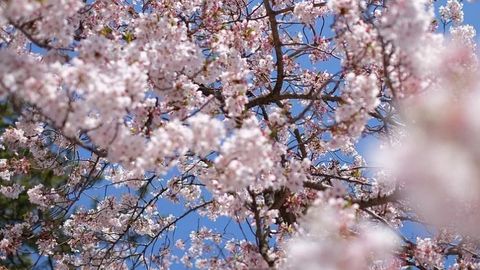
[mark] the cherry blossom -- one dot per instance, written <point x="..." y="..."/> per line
<point x="233" y="134"/>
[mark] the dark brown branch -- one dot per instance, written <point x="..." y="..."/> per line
<point x="260" y="235"/>
<point x="380" y="200"/>
<point x="301" y="145"/>
<point x="314" y="185"/>
<point x="270" y="98"/>
<point x="277" y="44"/>
<point x="290" y="9"/>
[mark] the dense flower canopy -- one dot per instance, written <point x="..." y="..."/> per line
<point x="125" y="121"/>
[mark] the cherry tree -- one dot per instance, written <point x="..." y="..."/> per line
<point x="123" y="119"/>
